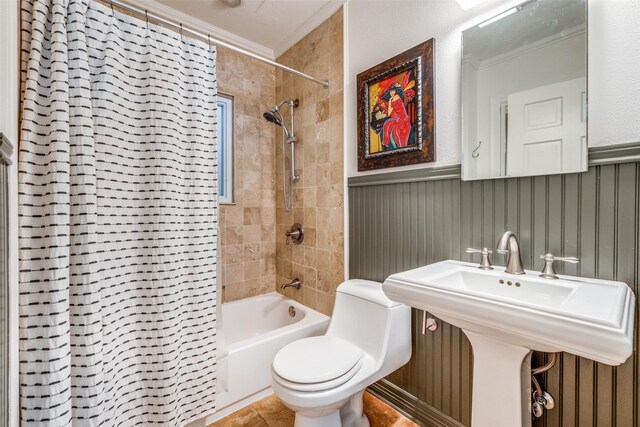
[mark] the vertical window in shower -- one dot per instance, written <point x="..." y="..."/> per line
<point x="225" y="149"/>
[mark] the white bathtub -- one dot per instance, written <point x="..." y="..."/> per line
<point x="255" y="329"/>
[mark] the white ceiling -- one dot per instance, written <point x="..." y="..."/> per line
<point x="268" y="27"/>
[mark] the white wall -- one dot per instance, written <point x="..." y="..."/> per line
<point x="614" y="76"/>
<point x="378" y="30"/>
<point x="9" y="126"/>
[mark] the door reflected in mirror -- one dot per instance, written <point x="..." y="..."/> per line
<point x="524" y="92"/>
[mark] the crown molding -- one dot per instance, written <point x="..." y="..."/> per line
<point x="204" y="27"/>
<point x="539" y="44"/>
<point x="472" y="60"/>
<point x="324" y="13"/>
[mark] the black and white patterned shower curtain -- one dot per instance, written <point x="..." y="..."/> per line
<point x="118" y="220"/>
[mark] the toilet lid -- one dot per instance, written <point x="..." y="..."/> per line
<point x="317" y="360"/>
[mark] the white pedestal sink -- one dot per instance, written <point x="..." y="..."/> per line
<point x="507" y="316"/>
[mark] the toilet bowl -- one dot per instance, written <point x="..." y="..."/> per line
<point x="323" y="378"/>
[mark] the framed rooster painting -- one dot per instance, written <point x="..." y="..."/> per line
<point x="396" y="118"/>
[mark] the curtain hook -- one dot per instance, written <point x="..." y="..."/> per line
<point x="146" y="15"/>
<point x="209" y="40"/>
<point x="111" y="3"/>
<point x="181" y="35"/>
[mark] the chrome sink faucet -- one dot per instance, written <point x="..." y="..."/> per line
<point x="508" y="244"/>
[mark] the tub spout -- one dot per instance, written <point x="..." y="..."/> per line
<point x="295" y="283"/>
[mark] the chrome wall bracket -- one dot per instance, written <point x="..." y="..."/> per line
<point x="429" y="323"/>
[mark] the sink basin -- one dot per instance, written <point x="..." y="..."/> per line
<point x="587" y="317"/>
<point x="505" y="316"/>
<point x="540" y="293"/>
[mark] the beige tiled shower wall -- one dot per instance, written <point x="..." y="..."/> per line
<point x="247" y="227"/>
<point x="318" y="198"/>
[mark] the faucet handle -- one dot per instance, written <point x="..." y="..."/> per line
<point x="549" y="271"/>
<point x="296" y="234"/>
<point x="485" y="262"/>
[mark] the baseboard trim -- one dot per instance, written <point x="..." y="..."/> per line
<point x="410" y="406"/>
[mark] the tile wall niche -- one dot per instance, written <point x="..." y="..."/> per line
<point x="318" y="198"/>
<point x="247" y="227"/>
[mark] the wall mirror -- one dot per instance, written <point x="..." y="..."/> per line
<point x="524" y="91"/>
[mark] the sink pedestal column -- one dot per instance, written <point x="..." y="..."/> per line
<point x="501" y="383"/>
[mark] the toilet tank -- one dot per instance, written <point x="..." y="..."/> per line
<point x="365" y="317"/>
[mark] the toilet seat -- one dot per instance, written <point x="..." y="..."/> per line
<point x="317" y="363"/>
<point x="321" y="386"/>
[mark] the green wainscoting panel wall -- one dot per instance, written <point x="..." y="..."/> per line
<point x="6" y="149"/>
<point x="404" y="220"/>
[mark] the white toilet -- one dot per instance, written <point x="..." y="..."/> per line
<point x="323" y="378"/>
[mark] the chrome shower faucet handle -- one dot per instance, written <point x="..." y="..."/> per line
<point x="485" y="262"/>
<point x="549" y="271"/>
<point x="295" y="234"/>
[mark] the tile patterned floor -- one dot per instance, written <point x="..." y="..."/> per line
<point x="271" y="412"/>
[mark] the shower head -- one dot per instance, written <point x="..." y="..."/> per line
<point x="271" y="117"/>
<point x="274" y="116"/>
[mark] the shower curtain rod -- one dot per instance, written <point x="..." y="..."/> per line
<point x="207" y="38"/>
